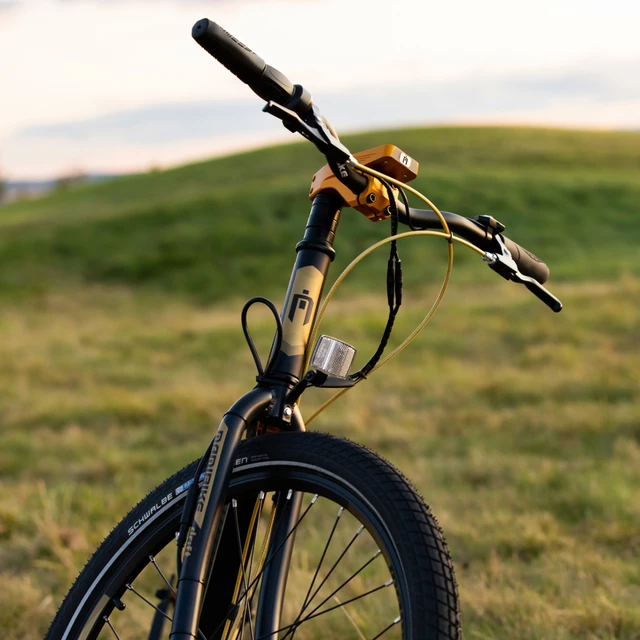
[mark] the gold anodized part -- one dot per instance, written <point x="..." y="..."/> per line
<point x="373" y="202"/>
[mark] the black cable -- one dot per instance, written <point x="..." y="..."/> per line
<point x="394" y="286"/>
<point x="405" y="202"/>
<point x="278" y="339"/>
<point x="393" y="209"/>
<point x="190" y="502"/>
<point x="394" y="266"/>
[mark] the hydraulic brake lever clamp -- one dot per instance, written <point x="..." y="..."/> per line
<point x="492" y="226"/>
<point x="503" y="263"/>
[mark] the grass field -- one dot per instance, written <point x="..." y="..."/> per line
<point x="121" y="347"/>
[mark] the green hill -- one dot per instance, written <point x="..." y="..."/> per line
<point x="120" y="348"/>
<point x="228" y="225"/>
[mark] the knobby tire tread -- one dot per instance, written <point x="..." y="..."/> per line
<point x="426" y="563"/>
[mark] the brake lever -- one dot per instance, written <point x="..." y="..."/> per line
<point x="504" y="264"/>
<point x="316" y="131"/>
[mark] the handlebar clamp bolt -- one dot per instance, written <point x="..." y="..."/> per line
<point x="371" y="198"/>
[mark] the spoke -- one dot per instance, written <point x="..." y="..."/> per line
<point x="395" y="622"/>
<point x="315" y="575"/>
<point x="153" y="606"/>
<point x="234" y="504"/>
<point x="291" y="628"/>
<point x="324" y="553"/>
<point x="224" y="620"/>
<point x="244" y="617"/>
<point x="111" y="627"/>
<point x="388" y="583"/>
<point x="254" y="533"/>
<point x="253" y="546"/>
<point x="347" y="581"/>
<point x="299" y="620"/>
<point x="154" y="563"/>
<point x="274" y="553"/>
<point x="266" y="564"/>
<point x="335" y="564"/>
<point x="287" y="628"/>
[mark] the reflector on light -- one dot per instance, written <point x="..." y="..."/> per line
<point x="332" y="356"/>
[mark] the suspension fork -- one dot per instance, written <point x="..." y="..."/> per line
<point x="274" y="581"/>
<point x="199" y="550"/>
<point x="273" y="566"/>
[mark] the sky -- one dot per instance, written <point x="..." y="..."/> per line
<point x="119" y="85"/>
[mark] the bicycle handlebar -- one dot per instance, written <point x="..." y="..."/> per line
<point x="294" y="106"/>
<point x="528" y="263"/>
<point x="477" y="234"/>
<point x="266" y="81"/>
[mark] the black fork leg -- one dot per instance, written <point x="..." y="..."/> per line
<point x="274" y="581"/>
<point x="200" y="547"/>
<point x="224" y="572"/>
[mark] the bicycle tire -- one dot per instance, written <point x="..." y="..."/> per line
<point x="415" y="550"/>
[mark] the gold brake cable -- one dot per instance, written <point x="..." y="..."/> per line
<point x="446" y="233"/>
<point x="406" y="187"/>
<point x="231" y="624"/>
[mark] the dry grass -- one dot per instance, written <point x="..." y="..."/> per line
<point x="120" y="348"/>
<point x="520" y="427"/>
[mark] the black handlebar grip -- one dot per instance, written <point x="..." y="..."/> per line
<point x="249" y="67"/>
<point x="528" y="264"/>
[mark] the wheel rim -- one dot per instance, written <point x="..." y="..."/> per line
<point x="344" y="580"/>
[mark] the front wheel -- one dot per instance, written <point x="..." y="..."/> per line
<point x="368" y="560"/>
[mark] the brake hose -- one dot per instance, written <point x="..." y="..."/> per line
<point x="446" y="233"/>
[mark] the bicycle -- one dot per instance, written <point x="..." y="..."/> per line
<point x="236" y="515"/>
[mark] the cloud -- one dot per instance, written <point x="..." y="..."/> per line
<point x="176" y="2"/>
<point x="467" y="98"/>
<point x="158" y="123"/>
<point x="13" y="4"/>
<point x="174" y="133"/>
<point x="8" y="9"/>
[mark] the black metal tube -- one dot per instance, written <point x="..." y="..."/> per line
<point x="464" y="227"/>
<point x="199" y="550"/>
<point x="274" y="581"/>
<point x="479" y="235"/>
<point x="314" y="256"/>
